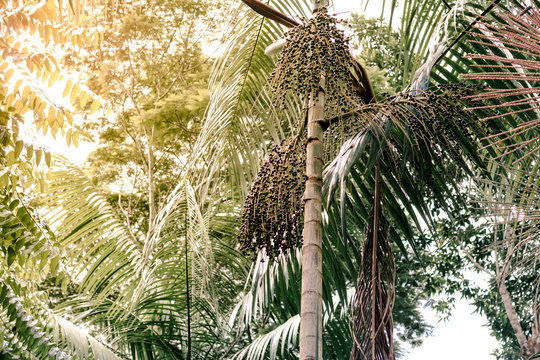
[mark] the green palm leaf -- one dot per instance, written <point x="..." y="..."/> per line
<point x="239" y="123"/>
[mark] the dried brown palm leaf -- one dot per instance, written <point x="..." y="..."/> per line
<point x="372" y="324"/>
<point x="271" y="13"/>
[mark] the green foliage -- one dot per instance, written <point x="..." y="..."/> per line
<point x="31" y="254"/>
<point x="271" y="299"/>
<point x="151" y="297"/>
<point x="152" y="73"/>
<point x="30" y="35"/>
<point x="239" y="124"/>
<point x="379" y="50"/>
<point x="119" y="165"/>
<point x="158" y="274"/>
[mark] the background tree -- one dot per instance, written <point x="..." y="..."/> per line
<point x="379" y="49"/>
<point x="153" y="75"/>
<point x="32" y="34"/>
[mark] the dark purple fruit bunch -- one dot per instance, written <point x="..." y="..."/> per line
<point x="273" y="212"/>
<point x="316" y="48"/>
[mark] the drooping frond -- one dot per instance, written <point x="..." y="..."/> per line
<point x="372" y="326"/>
<point x="281" y="341"/>
<point x="266" y="282"/>
<point x="81" y="342"/>
<point x="94" y="239"/>
<point x="427" y="130"/>
<point x="239" y="124"/>
<point x="273" y="343"/>
<point x="39" y="332"/>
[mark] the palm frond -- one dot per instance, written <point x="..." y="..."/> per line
<point x="416" y="132"/>
<point x="285" y="334"/>
<point x="94" y="239"/>
<point x="238" y="122"/>
<point x="163" y="297"/>
<point x="39" y="332"/>
<point x="511" y="56"/>
<point x="409" y="155"/>
<point x="426" y="28"/>
<point x="281" y="338"/>
<point x="80" y="341"/>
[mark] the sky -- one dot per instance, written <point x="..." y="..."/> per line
<point x="464" y="336"/>
<point x="343" y="8"/>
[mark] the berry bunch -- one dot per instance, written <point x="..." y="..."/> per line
<point x="274" y="209"/>
<point x="316" y="56"/>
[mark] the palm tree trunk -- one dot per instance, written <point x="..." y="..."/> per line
<point x="311" y="296"/>
<point x="311" y="300"/>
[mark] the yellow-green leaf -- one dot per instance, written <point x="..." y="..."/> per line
<point x="69" y="116"/>
<point x="39" y="153"/>
<point x="26" y="92"/>
<point x="29" y="151"/>
<point x="95" y="106"/>
<point x="65" y="283"/>
<point x="52" y="79"/>
<point x="84" y="98"/>
<point x="74" y="93"/>
<point x="67" y="88"/>
<point x="21" y="259"/>
<point x="18" y="148"/>
<point x="10" y="158"/>
<point x="8" y="75"/>
<point x="17" y="85"/>
<point x="4" y="180"/>
<point x="48" y="158"/>
<point x="68" y="137"/>
<point x="11" y="256"/>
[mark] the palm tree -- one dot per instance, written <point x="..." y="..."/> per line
<point x="370" y="150"/>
